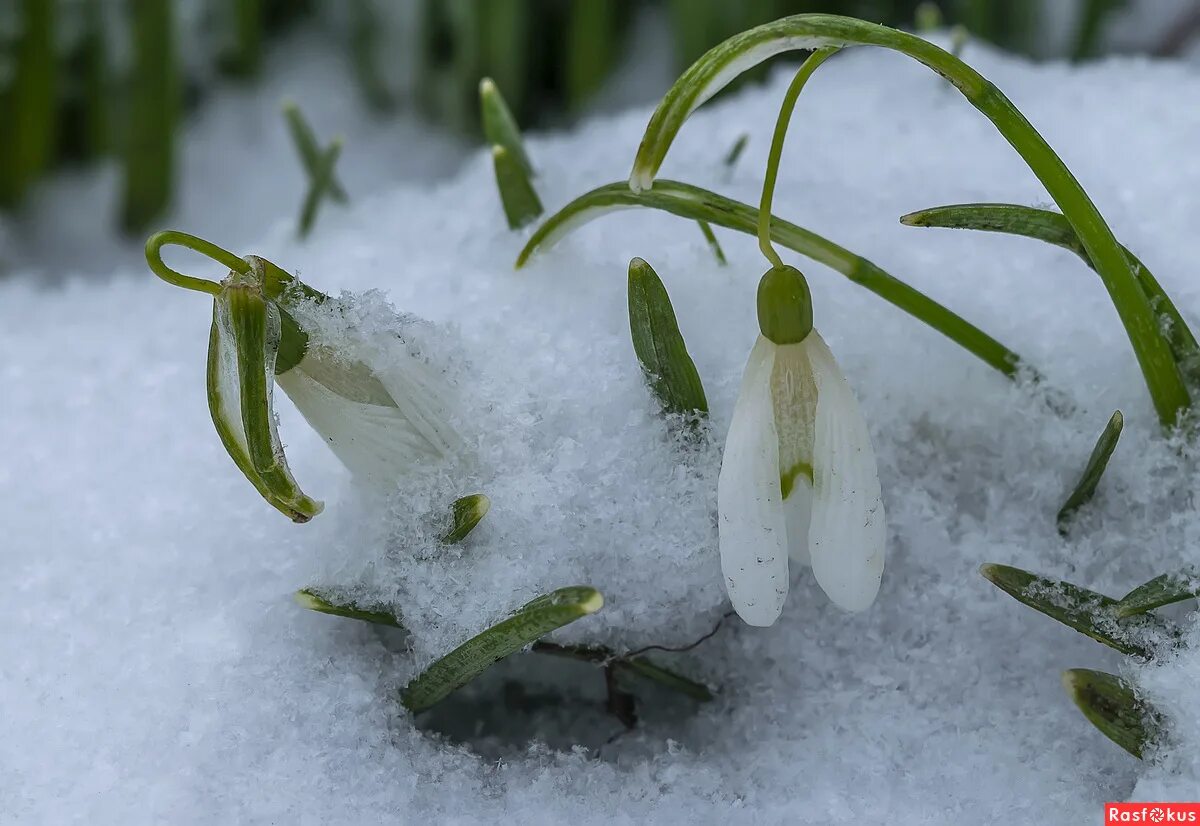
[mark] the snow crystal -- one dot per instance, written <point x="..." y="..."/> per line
<point x="155" y="669"/>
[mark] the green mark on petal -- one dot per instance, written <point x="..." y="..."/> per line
<point x="787" y="480"/>
<point x="1111" y="706"/>
<point x="313" y="601"/>
<point x="467" y="513"/>
<point x="533" y="621"/>
<point x="517" y="195"/>
<point x="1088" y="612"/>
<point x="659" y="345"/>
<point x="1166" y="589"/>
<point x="1085" y="488"/>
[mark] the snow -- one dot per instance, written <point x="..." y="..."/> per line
<point x="155" y="668"/>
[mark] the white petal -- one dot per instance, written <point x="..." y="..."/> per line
<point x="797" y="509"/>
<point x="848" y="531"/>
<point x="372" y="435"/>
<point x="753" y="533"/>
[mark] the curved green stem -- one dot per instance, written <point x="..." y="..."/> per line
<point x="724" y="62"/>
<point x="699" y="204"/>
<point x="781" y="125"/>
<point x="158" y="240"/>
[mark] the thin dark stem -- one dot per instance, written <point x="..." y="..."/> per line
<point x="681" y="649"/>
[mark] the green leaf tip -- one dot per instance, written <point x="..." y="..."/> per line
<point x="313" y="601"/>
<point x="466" y="514"/>
<point x="1085" y="488"/>
<point x="517" y="195"/>
<point x="1088" y="612"/>
<point x="1165" y="589"/>
<point x="1111" y="706"/>
<point x="659" y="345"/>
<point x="499" y="126"/>
<point x="528" y="624"/>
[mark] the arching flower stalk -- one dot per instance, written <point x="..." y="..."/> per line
<point x="377" y="425"/>
<point x="798" y="478"/>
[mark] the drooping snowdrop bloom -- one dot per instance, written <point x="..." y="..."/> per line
<point x="798" y="478"/>
<point x="377" y="425"/>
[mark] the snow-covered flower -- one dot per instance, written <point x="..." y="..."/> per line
<point x="377" y="425"/>
<point x="798" y="478"/>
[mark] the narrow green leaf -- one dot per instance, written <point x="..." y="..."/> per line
<point x="467" y="512"/>
<point x="520" y="200"/>
<point x="725" y="62"/>
<point x="699" y="204"/>
<point x="309" y="150"/>
<point x="590" y="39"/>
<point x="318" y="187"/>
<point x="1085" y="488"/>
<point x="1166" y="589"/>
<point x="1054" y="228"/>
<point x="709" y="236"/>
<point x="499" y="126"/>
<point x="659" y="345"/>
<point x="536" y="619"/>
<point x="735" y="151"/>
<point x="637" y="666"/>
<point x="928" y="17"/>
<point x="1111" y="706"/>
<point x="309" y="598"/>
<point x="648" y="670"/>
<point x="154" y="106"/>
<point x="1088" y="612"/>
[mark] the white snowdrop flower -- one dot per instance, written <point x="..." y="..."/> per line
<point x="798" y="478"/>
<point x="378" y="424"/>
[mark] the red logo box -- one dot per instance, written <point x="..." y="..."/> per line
<point x="1151" y="813"/>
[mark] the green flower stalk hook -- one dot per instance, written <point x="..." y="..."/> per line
<point x="798" y="476"/>
<point x="378" y="426"/>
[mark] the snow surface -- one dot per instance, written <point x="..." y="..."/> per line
<point x="155" y="668"/>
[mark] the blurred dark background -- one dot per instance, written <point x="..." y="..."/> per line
<point x="112" y="81"/>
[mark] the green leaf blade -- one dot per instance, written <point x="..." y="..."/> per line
<point x="1088" y="612"/>
<point x="517" y="195"/>
<point x="499" y="126"/>
<point x="1093" y="471"/>
<point x="533" y="621"/>
<point x="312" y="600"/>
<point x="1166" y="589"/>
<point x="1110" y="705"/>
<point x="659" y="345"/>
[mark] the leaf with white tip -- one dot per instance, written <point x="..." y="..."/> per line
<point x="531" y="622"/>
<point x="499" y="126"/>
<point x="313" y="601"/>
<point x="466" y="514"/>
<point x="517" y="195"/>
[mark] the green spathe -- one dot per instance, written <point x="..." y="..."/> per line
<point x="785" y="313"/>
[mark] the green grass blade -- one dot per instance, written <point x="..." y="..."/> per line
<point x="647" y="670"/>
<point x="1088" y="612"/>
<point x="724" y="62"/>
<point x="318" y="188"/>
<point x="517" y="195"/>
<point x="1054" y="228"/>
<point x="499" y="126"/>
<point x="735" y="151"/>
<point x="1166" y="589"/>
<point x="590" y="45"/>
<point x="309" y="150"/>
<point x="1110" y="705"/>
<point x="313" y="601"/>
<point x="1085" y="488"/>
<point x="466" y="514"/>
<point x="29" y="124"/>
<point x="713" y="244"/>
<point x="659" y="345"/>
<point x="536" y="619"/>
<point x="699" y="204"/>
<point x="155" y="93"/>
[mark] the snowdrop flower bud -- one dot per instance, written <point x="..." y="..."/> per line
<point x="798" y="478"/>
<point x="378" y="427"/>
